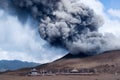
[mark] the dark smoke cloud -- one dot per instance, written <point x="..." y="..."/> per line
<point x="64" y="23"/>
<point x="74" y="28"/>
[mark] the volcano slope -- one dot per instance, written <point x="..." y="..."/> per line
<point x="107" y="62"/>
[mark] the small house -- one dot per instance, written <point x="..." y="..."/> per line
<point x="33" y="72"/>
<point x="74" y="71"/>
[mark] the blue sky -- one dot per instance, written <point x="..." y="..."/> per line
<point x="111" y="4"/>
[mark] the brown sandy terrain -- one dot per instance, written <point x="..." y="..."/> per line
<point x="109" y="62"/>
<point x="62" y="77"/>
<point x="107" y="65"/>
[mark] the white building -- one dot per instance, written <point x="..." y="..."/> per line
<point x="74" y="71"/>
<point x="34" y="72"/>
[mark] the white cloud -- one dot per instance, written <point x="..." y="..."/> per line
<point x="16" y="56"/>
<point x="96" y="5"/>
<point x="22" y="42"/>
<point x="1" y="12"/>
<point x="23" y="56"/>
<point x="111" y="26"/>
<point x="114" y="12"/>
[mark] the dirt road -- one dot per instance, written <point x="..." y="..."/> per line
<point x="63" y="77"/>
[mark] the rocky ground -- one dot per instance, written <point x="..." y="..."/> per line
<point x="63" y="77"/>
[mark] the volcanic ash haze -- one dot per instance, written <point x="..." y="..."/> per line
<point x="66" y="23"/>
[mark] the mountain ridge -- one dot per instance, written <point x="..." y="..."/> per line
<point x="15" y="64"/>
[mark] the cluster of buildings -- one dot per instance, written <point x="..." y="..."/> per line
<point x="43" y="72"/>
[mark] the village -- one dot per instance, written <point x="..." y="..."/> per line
<point x="43" y="72"/>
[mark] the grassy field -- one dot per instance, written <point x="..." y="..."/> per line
<point x="63" y="77"/>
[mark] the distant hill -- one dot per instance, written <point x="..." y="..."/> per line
<point x="15" y="64"/>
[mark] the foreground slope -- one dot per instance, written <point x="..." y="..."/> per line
<point x="108" y="62"/>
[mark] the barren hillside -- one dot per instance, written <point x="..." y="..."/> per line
<point x="107" y="62"/>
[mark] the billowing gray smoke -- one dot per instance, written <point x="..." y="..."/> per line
<point x="64" y="23"/>
<point x="74" y="28"/>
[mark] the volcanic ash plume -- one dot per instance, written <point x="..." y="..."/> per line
<point x="66" y="23"/>
<point x="73" y="26"/>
